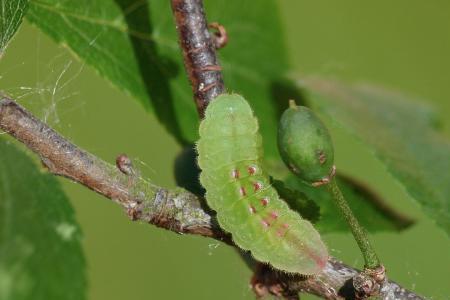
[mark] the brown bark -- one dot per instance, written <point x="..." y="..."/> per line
<point x="199" y="52"/>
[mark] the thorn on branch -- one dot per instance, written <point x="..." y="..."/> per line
<point x="124" y="164"/>
<point x="220" y="38"/>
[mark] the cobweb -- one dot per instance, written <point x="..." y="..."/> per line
<point x="49" y="83"/>
<point x="52" y="85"/>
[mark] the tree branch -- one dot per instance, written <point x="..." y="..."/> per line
<point x="199" y="52"/>
<point x="179" y="211"/>
<point x="175" y="210"/>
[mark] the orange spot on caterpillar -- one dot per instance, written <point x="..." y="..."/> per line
<point x="252" y="209"/>
<point x="265" y="223"/>
<point x="251" y="170"/>
<point x="274" y="215"/>
<point x="242" y="191"/>
<point x="257" y="186"/>
<point x="235" y="173"/>
<point x="264" y="201"/>
<point x="282" y="231"/>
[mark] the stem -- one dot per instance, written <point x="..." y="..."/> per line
<point x="370" y="258"/>
<point x="199" y="52"/>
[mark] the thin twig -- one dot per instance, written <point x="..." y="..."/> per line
<point x="175" y="210"/>
<point x="199" y="52"/>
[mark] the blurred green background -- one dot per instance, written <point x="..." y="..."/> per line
<point x="400" y="44"/>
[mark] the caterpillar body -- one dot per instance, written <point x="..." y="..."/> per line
<point x="239" y="190"/>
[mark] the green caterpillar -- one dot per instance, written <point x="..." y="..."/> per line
<point x="238" y="189"/>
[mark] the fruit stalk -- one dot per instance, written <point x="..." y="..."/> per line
<point x="370" y="257"/>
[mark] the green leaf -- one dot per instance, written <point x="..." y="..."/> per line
<point x="400" y="131"/>
<point x="40" y="251"/>
<point x="11" y="14"/>
<point x="369" y="208"/>
<point x="134" y="44"/>
<point x="297" y="201"/>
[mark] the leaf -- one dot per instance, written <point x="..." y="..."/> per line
<point x="371" y="210"/>
<point x="11" y="14"/>
<point x="133" y="43"/>
<point x="40" y="251"/>
<point x="400" y="131"/>
<point x="297" y="201"/>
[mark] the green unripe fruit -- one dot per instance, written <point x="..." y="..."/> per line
<point x="305" y="145"/>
